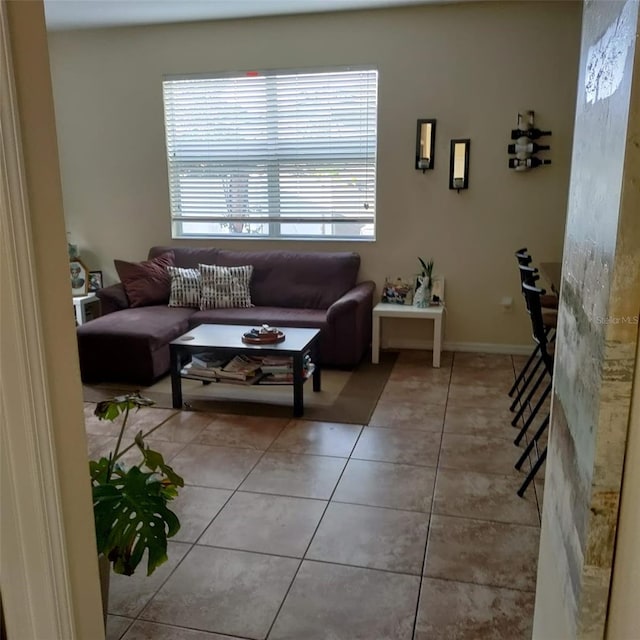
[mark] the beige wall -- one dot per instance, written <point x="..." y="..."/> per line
<point x="471" y="66"/>
<point x="58" y="341"/>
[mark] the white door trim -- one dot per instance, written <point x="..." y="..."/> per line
<point x="35" y="571"/>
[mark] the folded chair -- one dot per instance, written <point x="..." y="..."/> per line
<point x="527" y="374"/>
<point x="533" y="296"/>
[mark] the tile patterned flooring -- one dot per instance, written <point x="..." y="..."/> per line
<point x="408" y="528"/>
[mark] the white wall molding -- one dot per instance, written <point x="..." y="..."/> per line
<point x="475" y="347"/>
<point x="33" y="554"/>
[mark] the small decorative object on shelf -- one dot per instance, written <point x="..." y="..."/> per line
<point x="524" y="147"/>
<point x="422" y="296"/>
<point x="95" y="281"/>
<point x="264" y="335"/>
<point x="397" y="291"/>
<point x="79" y="277"/>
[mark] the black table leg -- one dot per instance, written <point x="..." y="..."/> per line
<point x="298" y="382"/>
<point x="176" y="380"/>
<point x="316" y="368"/>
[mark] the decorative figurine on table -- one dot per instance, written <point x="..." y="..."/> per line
<point x="264" y="335"/>
<point x="422" y="296"/>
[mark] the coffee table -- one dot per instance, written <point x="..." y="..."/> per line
<point x="227" y="341"/>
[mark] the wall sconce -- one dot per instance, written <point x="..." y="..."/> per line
<point x="425" y="144"/>
<point x="459" y="164"/>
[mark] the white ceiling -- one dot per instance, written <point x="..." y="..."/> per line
<point x="84" y="14"/>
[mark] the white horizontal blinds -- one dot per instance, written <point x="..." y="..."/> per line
<point x="278" y="154"/>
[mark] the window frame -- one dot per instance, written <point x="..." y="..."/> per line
<point x="276" y="168"/>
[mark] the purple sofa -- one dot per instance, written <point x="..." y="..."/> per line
<point x="288" y="289"/>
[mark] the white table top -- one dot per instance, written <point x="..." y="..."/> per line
<point x="389" y="309"/>
<point x="90" y="297"/>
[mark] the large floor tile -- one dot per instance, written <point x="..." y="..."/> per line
<point x="196" y="507"/>
<point x="408" y="415"/>
<point x="423" y="357"/>
<point x="421" y="383"/>
<point x="477" y="395"/>
<point x="408" y="446"/>
<point x="142" y="630"/>
<point x="500" y="378"/>
<point x="245" y="432"/>
<point x="98" y="427"/>
<point x="99" y="446"/>
<point x="383" y="484"/>
<point x="484" y="361"/>
<point x="168" y="450"/>
<point x="129" y="594"/>
<point x="434" y="394"/>
<point x="493" y="422"/>
<point x="483" y="496"/>
<point x="479" y="453"/>
<point x="460" y="611"/>
<point x="227" y="592"/>
<point x="319" y="438"/>
<point x="289" y="474"/>
<point x="116" y="627"/>
<point x="265" y="523"/>
<point x="491" y="553"/>
<point x="417" y="376"/>
<point x="371" y="537"/>
<point x="148" y="418"/>
<point x="347" y="603"/>
<point x="216" y="467"/>
<point x="184" y="426"/>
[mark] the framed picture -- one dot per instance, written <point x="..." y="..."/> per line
<point x="95" y="281"/>
<point x="398" y="291"/>
<point x="79" y="277"/>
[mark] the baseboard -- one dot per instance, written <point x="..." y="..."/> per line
<point x="475" y="347"/>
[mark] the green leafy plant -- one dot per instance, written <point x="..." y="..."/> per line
<point x="130" y="501"/>
<point x="427" y="268"/>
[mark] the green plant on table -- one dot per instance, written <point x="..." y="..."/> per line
<point x="130" y="500"/>
<point x="427" y="269"/>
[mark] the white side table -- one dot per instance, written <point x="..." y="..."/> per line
<point x="80" y="304"/>
<point x="390" y="310"/>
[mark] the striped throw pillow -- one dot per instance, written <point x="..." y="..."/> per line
<point x="185" y="287"/>
<point x="225" y="287"/>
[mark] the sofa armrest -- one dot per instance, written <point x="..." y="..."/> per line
<point x="362" y="293"/>
<point x="112" y="298"/>
<point x="348" y="331"/>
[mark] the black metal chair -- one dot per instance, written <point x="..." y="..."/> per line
<point x="533" y="297"/>
<point x="527" y="374"/>
<point x="529" y="275"/>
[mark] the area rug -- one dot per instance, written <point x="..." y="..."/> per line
<point x="346" y="396"/>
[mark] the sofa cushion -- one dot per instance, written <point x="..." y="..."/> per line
<point x="185" y="287"/>
<point x="312" y="280"/>
<point x="256" y="316"/>
<point x="225" y="287"/>
<point x="130" y="345"/>
<point x="147" y="282"/>
<point x="188" y="257"/>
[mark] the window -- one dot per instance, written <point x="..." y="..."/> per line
<point x="273" y="155"/>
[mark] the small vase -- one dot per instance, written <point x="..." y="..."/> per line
<point x="423" y="292"/>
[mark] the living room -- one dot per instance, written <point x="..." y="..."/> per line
<point x="471" y="66"/>
<point x="474" y="250"/>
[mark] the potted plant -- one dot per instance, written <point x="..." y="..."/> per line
<point x="130" y="500"/>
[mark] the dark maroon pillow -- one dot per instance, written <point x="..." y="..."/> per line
<point x="147" y="282"/>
